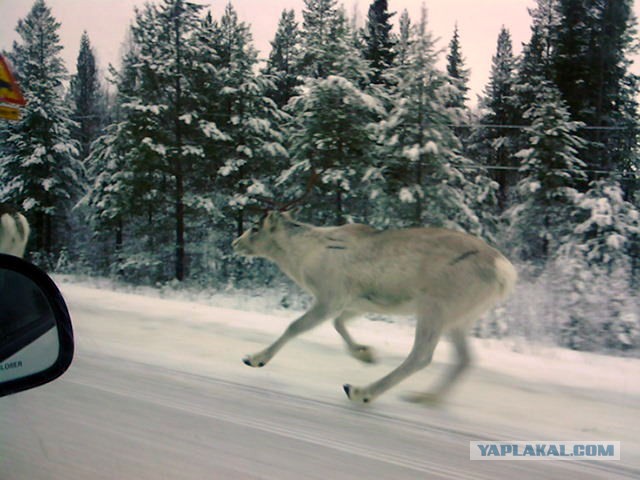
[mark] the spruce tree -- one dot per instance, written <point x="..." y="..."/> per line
<point x="107" y="205"/>
<point x="534" y="75"/>
<point x="550" y="174"/>
<point x="536" y="65"/>
<point x="458" y="74"/>
<point x="195" y="137"/>
<point x="332" y="137"/>
<point x="39" y="168"/>
<point x="598" y="306"/>
<point x="283" y="65"/>
<point x="87" y="98"/>
<point x="546" y="21"/>
<point x="458" y="80"/>
<point x="591" y="65"/>
<point x="378" y="41"/>
<point x="418" y="148"/>
<point x="495" y="142"/>
<point x="325" y="40"/>
<point x="404" y="38"/>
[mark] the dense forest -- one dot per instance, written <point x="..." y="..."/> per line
<point x="146" y="174"/>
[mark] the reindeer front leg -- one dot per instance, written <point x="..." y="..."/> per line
<point x="311" y="319"/>
<point x="357" y="350"/>
<point x="426" y="338"/>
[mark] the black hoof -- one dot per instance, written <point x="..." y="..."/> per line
<point x="246" y="361"/>
<point x="347" y="389"/>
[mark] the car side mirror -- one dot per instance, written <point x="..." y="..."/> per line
<point x="36" y="336"/>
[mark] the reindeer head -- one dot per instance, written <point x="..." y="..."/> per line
<point x="265" y="237"/>
<point x="270" y="234"/>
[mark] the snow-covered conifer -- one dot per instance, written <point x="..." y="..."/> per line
<point x="39" y="167"/>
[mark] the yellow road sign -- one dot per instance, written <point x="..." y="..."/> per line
<point x="9" y="113"/>
<point x="9" y="90"/>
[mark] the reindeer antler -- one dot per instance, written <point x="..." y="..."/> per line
<point x="281" y="207"/>
<point x="313" y="179"/>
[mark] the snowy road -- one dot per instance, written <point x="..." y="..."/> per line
<point x="158" y="391"/>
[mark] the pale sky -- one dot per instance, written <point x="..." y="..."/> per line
<point x="106" y="21"/>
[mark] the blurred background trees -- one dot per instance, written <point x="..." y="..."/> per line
<point x="148" y="174"/>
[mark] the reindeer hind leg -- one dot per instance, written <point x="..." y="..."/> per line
<point x="428" y="329"/>
<point x="443" y="386"/>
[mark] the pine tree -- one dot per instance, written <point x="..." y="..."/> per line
<point x="249" y="119"/>
<point x="87" y="97"/>
<point x="379" y="44"/>
<point x="180" y="19"/>
<point x="607" y="223"/>
<point x="634" y="244"/>
<point x="283" y="65"/>
<point x="330" y="129"/>
<point x="160" y="135"/>
<point x="39" y="168"/>
<point x="195" y="137"/>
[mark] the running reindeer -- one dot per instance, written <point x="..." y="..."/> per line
<point x="448" y="279"/>
<point x="14" y="231"/>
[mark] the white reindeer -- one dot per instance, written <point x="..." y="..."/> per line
<point x="14" y="231"/>
<point x="447" y="279"/>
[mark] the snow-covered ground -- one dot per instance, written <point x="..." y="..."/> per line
<point x="527" y="391"/>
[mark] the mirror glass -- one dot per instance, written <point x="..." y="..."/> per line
<point x="29" y="339"/>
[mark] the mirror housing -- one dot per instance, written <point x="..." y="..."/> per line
<point x="36" y="336"/>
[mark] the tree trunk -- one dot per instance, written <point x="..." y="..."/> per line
<point x="48" y="234"/>
<point x="240" y="223"/>
<point x="339" y="215"/>
<point x="179" y="174"/>
<point x="418" y="211"/>
<point x="180" y="251"/>
<point x="39" y="231"/>
<point x="119" y="242"/>
<point x="119" y="235"/>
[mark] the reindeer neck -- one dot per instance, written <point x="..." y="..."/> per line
<point x="302" y="241"/>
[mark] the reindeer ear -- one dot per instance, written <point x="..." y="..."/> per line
<point x="287" y="215"/>
<point x="291" y="214"/>
<point x="273" y="219"/>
